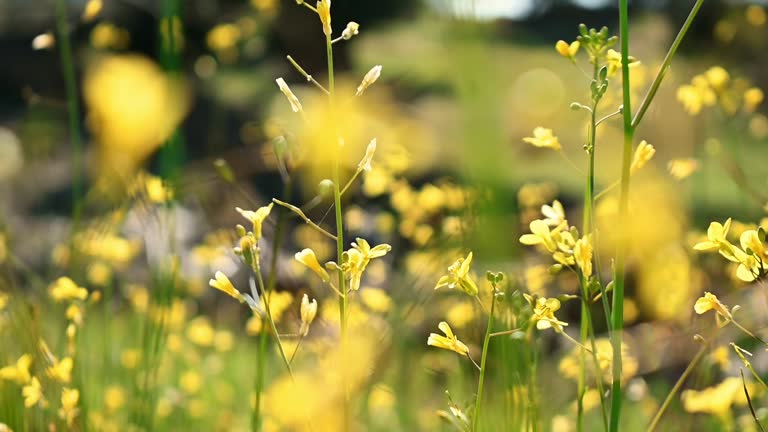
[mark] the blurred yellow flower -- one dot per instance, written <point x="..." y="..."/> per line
<point x="65" y="289"/>
<point x="32" y="393"/>
<point x="91" y="11"/>
<point x="696" y="95"/>
<point x="18" y="372"/>
<point x="717" y="77"/>
<point x="449" y="341"/>
<point x="543" y="137"/>
<point x="582" y="253"/>
<point x="458" y="275"/>
<point x="106" y="35"/>
<point x="114" y="398"/>
<point x="753" y="97"/>
<point x="61" y="371"/>
<point x="643" y="153"/>
<point x="613" y="61"/>
<point x="69" y="411"/>
<point x="682" y="168"/>
<point x="200" y="332"/>
<point x="376" y="299"/>
<point x="223" y="37"/>
<point x="133" y="107"/>
<point x="716" y="400"/>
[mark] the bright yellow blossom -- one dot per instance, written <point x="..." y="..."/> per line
<point x="544" y="313"/>
<point x="567" y="50"/>
<point x="710" y="302"/>
<point x="543" y="137"/>
<point x="554" y="215"/>
<point x="324" y="10"/>
<point x="308" y="258"/>
<point x="696" y="95"/>
<point x="449" y="341"/>
<point x="716" y="400"/>
<point x="358" y="258"/>
<point x="222" y="283"/>
<point x="64" y="289"/>
<point x="541" y="234"/>
<point x="256" y="218"/>
<point x="458" y="275"/>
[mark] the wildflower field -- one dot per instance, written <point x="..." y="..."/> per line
<point x="337" y="215"/>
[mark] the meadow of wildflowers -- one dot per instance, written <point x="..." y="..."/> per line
<point x="283" y="217"/>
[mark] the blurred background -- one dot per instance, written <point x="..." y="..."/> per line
<point x="160" y="90"/>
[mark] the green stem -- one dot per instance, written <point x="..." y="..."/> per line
<point x="665" y="65"/>
<point x="617" y="309"/>
<point x="73" y="109"/>
<point x="339" y="220"/>
<point x="271" y="321"/>
<point x="676" y="387"/>
<point x="259" y="384"/>
<point x="481" y="381"/>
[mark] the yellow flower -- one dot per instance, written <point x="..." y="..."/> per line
<point x="542" y="137"/>
<point x="61" y="371"/>
<point x="682" y="168"/>
<point x="696" y="95"/>
<point x="544" y="313"/>
<point x="33" y="393"/>
<point x="371" y="77"/>
<point x="541" y="234"/>
<point x="308" y="258"/>
<point x="751" y="265"/>
<point x="711" y="302"/>
<point x="69" y="400"/>
<point x="358" y="258"/>
<point x="65" y="288"/>
<point x="292" y="99"/>
<point x="376" y="299"/>
<point x="716" y="240"/>
<point x="613" y="61"/>
<point x="554" y="215"/>
<point x="18" y="372"/>
<point x="716" y="400"/>
<point x="717" y="77"/>
<point x="458" y="275"/>
<point x="643" y="153"/>
<point x="753" y="97"/>
<point x="582" y="253"/>
<point x="257" y="217"/>
<point x="92" y="9"/>
<point x="449" y="341"/>
<point x="114" y="398"/>
<point x="308" y="313"/>
<point x="567" y="50"/>
<point x="222" y="283"/>
<point x="324" y="10"/>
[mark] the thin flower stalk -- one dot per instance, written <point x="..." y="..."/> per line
<point x="630" y="124"/>
<point x="481" y="380"/>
